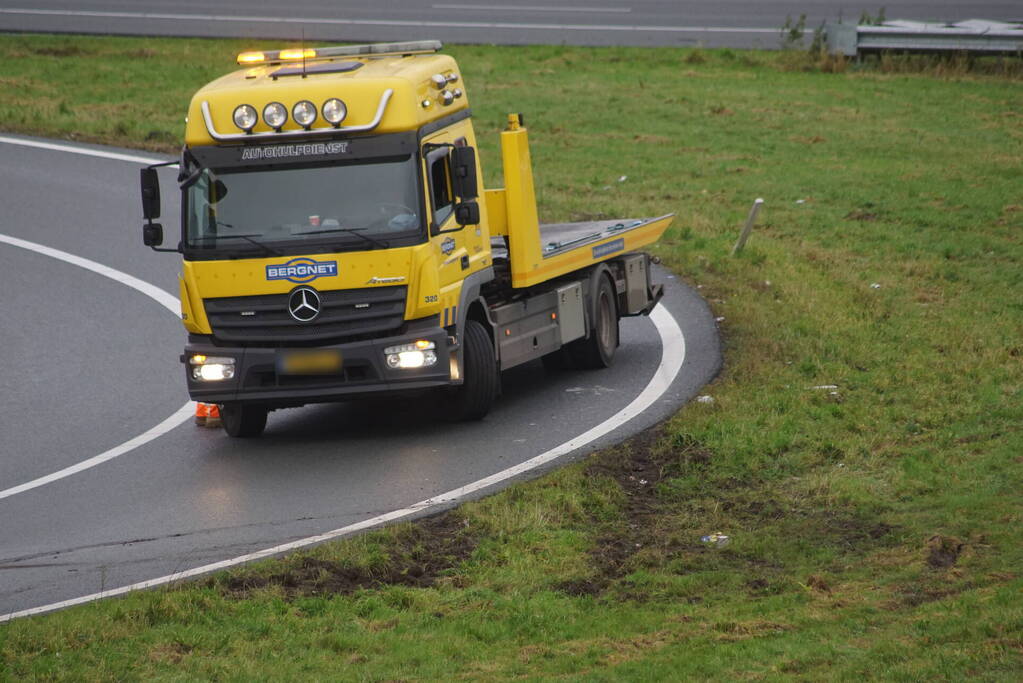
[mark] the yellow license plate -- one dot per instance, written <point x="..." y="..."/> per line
<point x="319" y="362"/>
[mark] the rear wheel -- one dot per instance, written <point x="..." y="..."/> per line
<point x="243" y="421"/>
<point x="598" y="350"/>
<point x="473" y="399"/>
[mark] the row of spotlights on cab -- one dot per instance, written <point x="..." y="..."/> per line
<point x="304" y="113"/>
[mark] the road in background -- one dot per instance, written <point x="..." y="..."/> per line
<point x="711" y="23"/>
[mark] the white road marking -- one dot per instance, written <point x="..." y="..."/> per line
<point x="673" y="353"/>
<point x="184" y="413"/>
<point x="149" y="16"/>
<point x="535" y="8"/>
<point x="155" y="293"/>
<point x="57" y="147"/>
<point x="163" y="298"/>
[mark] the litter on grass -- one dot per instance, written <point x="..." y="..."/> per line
<point x="704" y="399"/>
<point x="715" y="540"/>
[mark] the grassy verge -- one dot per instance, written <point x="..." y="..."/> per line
<point x="875" y="523"/>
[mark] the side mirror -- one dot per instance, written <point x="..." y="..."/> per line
<point x="152" y="235"/>
<point x="150" y="194"/>
<point x="467" y="213"/>
<point x="463" y="173"/>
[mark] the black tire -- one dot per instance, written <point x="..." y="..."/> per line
<point x="243" y="421"/>
<point x="472" y="400"/>
<point x="598" y="350"/>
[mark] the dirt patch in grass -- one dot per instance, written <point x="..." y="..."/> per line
<point x="861" y="215"/>
<point x="648" y="528"/>
<point x="63" y="51"/>
<point x="637" y="473"/>
<point x="430" y="550"/>
<point x="638" y="467"/>
<point x="943" y="551"/>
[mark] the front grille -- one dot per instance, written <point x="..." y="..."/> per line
<point x="345" y="314"/>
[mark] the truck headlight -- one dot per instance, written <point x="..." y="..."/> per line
<point x="275" y="115"/>
<point x="334" y="111"/>
<point x="419" y="354"/>
<point x="211" y="368"/>
<point x="245" y="117"/>
<point x="304" y="113"/>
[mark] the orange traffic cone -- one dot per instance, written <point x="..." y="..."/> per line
<point x="213" y="416"/>
<point x="202" y="413"/>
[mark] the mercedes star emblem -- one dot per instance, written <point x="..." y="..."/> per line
<point x="304" y="304"/>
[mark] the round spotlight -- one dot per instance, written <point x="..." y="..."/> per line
<point x="304" y="113"/>
<point x="245" y="117"/>
<point x="447" y="97"/>
<point x="334" y="111"/>
<point x="275" y="115"/>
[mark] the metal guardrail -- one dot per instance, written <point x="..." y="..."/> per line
<point x="976" y="35"/>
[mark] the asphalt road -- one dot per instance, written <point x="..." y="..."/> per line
<point x="711" y="23"/>
<point x="91" y="362"/>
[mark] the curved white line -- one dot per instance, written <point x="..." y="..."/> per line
<point x="673" y="353"/>
<point x="155" y="293"/>
<point x="85" y="151"/>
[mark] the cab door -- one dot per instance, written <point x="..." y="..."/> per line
<point x="454" y="244"/>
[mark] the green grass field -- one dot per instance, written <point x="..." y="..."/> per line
<point x="875" y="526"/>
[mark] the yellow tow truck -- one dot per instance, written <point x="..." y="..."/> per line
<point x="336" y="244"/>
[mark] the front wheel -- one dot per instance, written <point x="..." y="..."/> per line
<point x="472" y="400"/>
<point x="243" y="421"/>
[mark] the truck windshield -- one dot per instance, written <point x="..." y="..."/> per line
<point x="293" y="210"/>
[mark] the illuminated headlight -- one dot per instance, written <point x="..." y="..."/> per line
<point x="245" y="117"/>
<point x="334" y="111"/>
<point x="275" y="115"/>
<point x="304" y="113"/>
<point x="211" y="368"/>
<point x="419" y="354"/>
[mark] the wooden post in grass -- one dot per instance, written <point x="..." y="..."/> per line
<point x="748" y="228"/>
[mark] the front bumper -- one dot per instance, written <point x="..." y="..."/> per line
<point x="364" y="372"/>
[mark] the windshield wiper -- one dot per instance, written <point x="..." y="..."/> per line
<point x="269" y="250"/>
<point x="348" y="231"/>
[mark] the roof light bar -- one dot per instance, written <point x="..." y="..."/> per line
<point x="376" y="49"/>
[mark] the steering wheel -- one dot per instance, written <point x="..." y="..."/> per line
<point x="389" y="211"/>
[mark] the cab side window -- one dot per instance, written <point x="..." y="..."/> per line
<point x="439" y="174"/>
